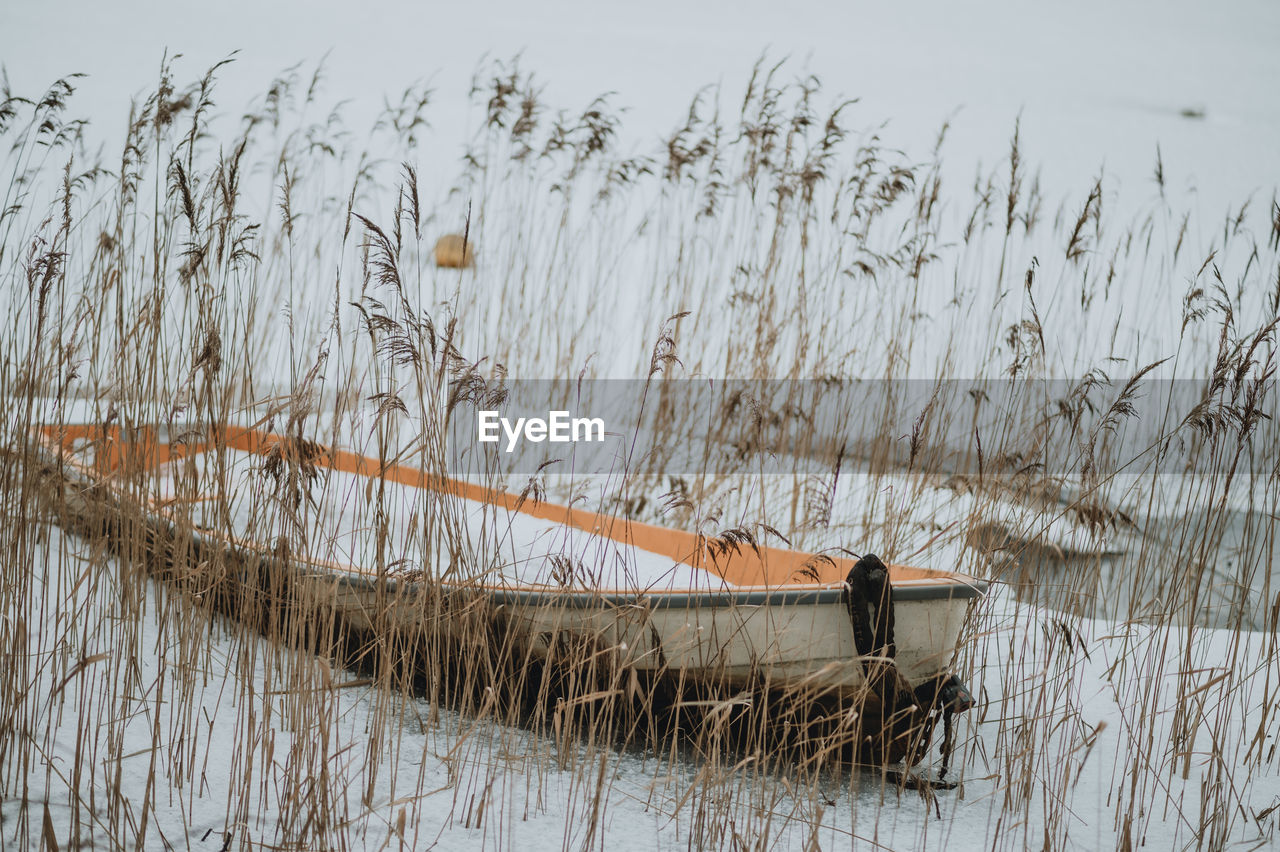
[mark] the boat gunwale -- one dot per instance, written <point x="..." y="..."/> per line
<point x="753" y="596"/>
<point x="942" y="588"/>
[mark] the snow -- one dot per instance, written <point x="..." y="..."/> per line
<point x="433" y="765"/>
<point x="515" y="548"/>
<point x="1097" y="84"/>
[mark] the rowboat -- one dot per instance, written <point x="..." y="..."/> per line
<point x="372" y="538"/>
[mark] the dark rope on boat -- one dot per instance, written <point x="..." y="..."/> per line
<point x="869" y="599"/>
<point x="954" y="698"/>
<point x="948" y="740"/>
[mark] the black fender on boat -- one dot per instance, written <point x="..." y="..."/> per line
<point x="903" y="726"/>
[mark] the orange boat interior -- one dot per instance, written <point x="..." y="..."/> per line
<point x="742" y="564"/>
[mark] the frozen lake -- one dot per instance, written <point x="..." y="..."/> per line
<point x="1099" y="85"/>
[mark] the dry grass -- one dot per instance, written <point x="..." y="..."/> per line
<point x="276" y="274"/>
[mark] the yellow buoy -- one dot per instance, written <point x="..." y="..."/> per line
<point x="454" y="252"/>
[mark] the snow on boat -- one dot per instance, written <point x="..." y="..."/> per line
<point x="720" y="611"/>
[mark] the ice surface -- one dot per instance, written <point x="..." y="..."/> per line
<point x="433" y="766"/>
